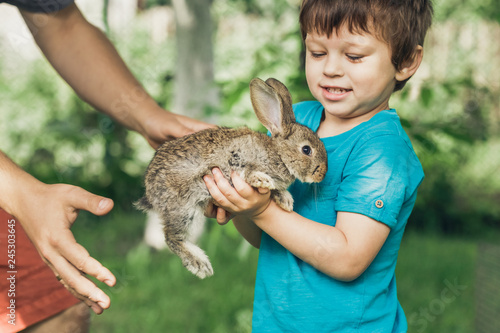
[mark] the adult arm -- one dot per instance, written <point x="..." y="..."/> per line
<point x="86" y="59"/>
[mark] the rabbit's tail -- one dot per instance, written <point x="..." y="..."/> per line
<point x="143" y="204"/>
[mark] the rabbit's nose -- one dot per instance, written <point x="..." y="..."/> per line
<point x="319" y="173"/>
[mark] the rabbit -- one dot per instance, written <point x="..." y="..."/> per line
<point x="174" y="186"/>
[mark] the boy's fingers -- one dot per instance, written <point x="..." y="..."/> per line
<point x="263" y="190"/>
<point x="241" y="186"/>
<point x="212" y="188"/>
<point x="223" y="217"/>
<point x="218" y="197"/>
<point x="211" y="210"/>
<point x="228" y="192"/>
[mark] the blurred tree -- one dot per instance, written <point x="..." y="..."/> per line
<point x="195" y="88"/>
<point x="467" y="10"/>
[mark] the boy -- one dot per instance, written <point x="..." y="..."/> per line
<point x="329" y="265"/>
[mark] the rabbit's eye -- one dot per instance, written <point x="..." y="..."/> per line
<point x="307" y="150"/>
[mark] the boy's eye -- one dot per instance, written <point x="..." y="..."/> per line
<point x="317" y="54"/>
<point x="353" y="57"/>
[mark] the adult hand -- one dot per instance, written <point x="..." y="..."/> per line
<point x="162" y="126"/>
<point x="47" y="213"/>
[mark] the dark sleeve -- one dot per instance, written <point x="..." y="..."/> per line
<point x="40" y="6"/>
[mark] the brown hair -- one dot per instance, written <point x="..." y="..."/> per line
<point x="401" y="23"/>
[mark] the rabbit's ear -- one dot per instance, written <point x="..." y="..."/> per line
<point x="272" y="104"/>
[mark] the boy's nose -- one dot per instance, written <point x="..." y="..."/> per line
<point x="333" y="67"/>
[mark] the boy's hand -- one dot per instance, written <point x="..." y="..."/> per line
<point x="242" y="199"/>
<point x="215" y="212"/>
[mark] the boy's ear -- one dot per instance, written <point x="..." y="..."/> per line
<point x="411" y="66"/>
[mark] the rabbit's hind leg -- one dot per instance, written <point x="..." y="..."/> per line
<point x="176" y="233"/>
<point x="196" y="261"/>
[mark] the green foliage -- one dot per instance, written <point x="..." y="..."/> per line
<point x="264" y="45"/>
<point x="450" y="116"/>
<point x="153" y="3"/>
<point x="453" y="198"/>
<point x="466" y="10"/>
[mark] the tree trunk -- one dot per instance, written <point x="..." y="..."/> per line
<point x="194" y="90"/>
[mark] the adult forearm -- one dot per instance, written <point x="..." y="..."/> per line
<point x="87" y="60"/>
<point x="14" y="181"/>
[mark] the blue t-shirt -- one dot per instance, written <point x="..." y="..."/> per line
<point x="372" y="170"/>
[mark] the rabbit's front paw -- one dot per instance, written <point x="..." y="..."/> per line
<point x="284" y="200"/>
<point x="261" y="180"/>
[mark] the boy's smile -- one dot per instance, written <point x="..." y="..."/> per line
<point x="351" y="75"/>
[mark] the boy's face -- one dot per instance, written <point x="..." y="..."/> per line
<point x="351" y="75"/>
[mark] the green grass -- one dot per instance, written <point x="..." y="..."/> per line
<point x="435" y="277"/>
<point x="154" y="293"/>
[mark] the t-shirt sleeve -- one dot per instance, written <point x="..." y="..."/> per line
<point x="41" y="6"/>
<point x="379" y="177"/>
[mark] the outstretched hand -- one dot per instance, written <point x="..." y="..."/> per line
<point x="47" y="214"/>
<point x="242" y="199"/>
